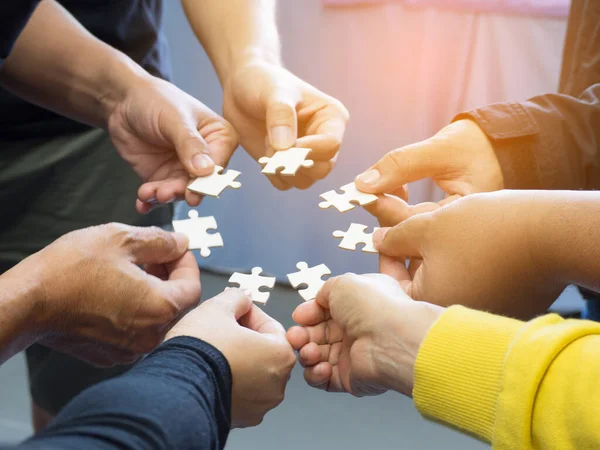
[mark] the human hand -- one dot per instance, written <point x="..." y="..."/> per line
<point x="272" y="109"/>
<point x="254" y="344"/>
<point x="482" y="251"/>
<point x="98" y="304"/>
<point x="167" y="136"/>
<point x="459" y="158"/>
<point x="361" y="335"/>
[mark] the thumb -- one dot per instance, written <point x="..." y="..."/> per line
<point x="152" y="245"/>
<point x="403" y="240"/>
<point x="282" y="121"/>
<point x="404" y="165"/>
<point x="191" y="148"/>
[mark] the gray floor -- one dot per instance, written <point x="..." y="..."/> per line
<point x="306" y="418"/>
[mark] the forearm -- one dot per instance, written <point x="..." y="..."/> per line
<point x="59" y="65"/>
<point x="234" y="30"/>
<point x="20" y="300"/>
<point x="178" y="398"/>
<point x="515" y="384"/>
<point x="565" y="237"/>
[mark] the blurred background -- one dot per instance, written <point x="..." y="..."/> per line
<point x="403" y="69"/>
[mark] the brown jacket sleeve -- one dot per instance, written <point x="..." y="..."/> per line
<point x="550" y="141"/>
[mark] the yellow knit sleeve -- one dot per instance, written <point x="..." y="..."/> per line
<point x="519" y="385"/>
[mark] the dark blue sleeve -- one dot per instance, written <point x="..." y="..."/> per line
<point x="14" y="15"/>
<point x="178" y="398"/>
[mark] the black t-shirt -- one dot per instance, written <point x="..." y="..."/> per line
<point x="14" y="15"/>
<point x="132" y="26"/>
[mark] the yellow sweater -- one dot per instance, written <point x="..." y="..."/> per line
<point x="518" y="385"/>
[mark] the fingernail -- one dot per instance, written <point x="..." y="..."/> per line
<point x="379" y="235"/>
<point x="248" y="294"/>
<point x="202" y="161"/>
<point x="152" y="201"/>
<point x="370" y="176"/>
<point x="182" y="240"/>
<point x="282" y="137"/>
<point x="171" y="200"/>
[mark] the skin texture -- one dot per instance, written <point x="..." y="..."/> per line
<point x="361" y="335"/>
<point x="508" y="252"/>
<point x="270" y="108"/>
<point x="88" y="296"/>
<point x="255" y="346"/>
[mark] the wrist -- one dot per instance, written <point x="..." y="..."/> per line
<point x="410" y="327"/>
<point x="119" y="77"/>
<point x="21" y="308"/>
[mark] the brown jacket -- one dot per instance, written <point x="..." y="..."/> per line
<point x="552" y="141"/>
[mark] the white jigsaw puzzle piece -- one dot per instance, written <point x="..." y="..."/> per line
<point x="290" y="160"/>
<point x="344" y="202"/>
<point x="253" y="283"/>
<point x="216" y="182"/>
<point x="309" y="276"/>
<point x="196" y="229"/>
<point x="356" y="235"/>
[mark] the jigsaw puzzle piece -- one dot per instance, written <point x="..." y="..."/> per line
<point x="290" y="161"/>
<point x="215" y="183"/>
<point x="348" y="200"/>
<point x="253" y="283"/>
<point x="356" y="235"/>
<point x="311" y="277"/>
<point x="196" y="229"/>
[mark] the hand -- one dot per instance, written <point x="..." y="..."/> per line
<point x="99" y="305"/>
<point x="254" y="344"/>
<point x="166" y="135"/>
<point x="361" y="335"/>
<point x="481" y="251"/>
<point x="272" y="110"/>
<point x="460" y="159"/>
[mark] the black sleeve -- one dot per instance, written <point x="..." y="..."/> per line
<point x="178" y="398"/>
<point x="14" y="15"/>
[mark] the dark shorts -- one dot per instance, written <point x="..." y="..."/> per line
<point x="50" y="187"/>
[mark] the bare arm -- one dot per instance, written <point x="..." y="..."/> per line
<point x="59" y="65"/>
<point x="234" y="31"/>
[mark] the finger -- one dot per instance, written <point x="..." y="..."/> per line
<point x="279" y="182"/>
<point x="234" y="302"/>
<point x="157" y="270"/>
<point x="281" y="119"/>
<point x="152" y="245"/>
<point x="297" y="337"/>
<point x="404" y="165"/>
<point x="319" y="376"/>
<point x="143" y="207"/>
<point x="312" y="354"/>
<point x="396" y="269"/>
<point x="317" y="172"/>
<point x="182" y="286"/>
<point x="310" y="313"/>
<point x="258" y="320"/>
<point x="302" y="182"/>
<point x="389" y="210"/>
<point x="403" y="240"/>
<point x="192" y="149"/>
<point x="323" y="147"/>
<point x="325" y="333"/>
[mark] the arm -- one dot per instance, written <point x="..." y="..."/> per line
<point x="58" y="64"/>
<point x="514" y="384"/>
<point x="547" y="142"/>
<point x="234" y="31"/>
<point x="270" y="108"/>
<point x="178" y="398"/>
<point x="20" y="297"/>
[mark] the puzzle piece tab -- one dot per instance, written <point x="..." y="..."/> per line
<point x="196" y="229"/>
<point x="356" y="235"/>
<point x="290" y="160"/>
<point x="253" y="283"/>
<point x="311" y="277"/>
<point x="216" y="182"/>
<point x="346" y="201"/>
